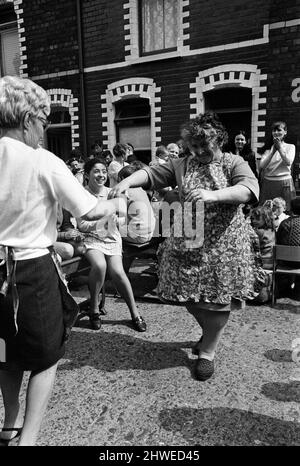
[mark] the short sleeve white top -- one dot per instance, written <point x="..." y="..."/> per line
<point x="33" y="183"/>
<point x="277" y="169"/>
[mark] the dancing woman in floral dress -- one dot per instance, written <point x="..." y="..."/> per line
<point x="207" y="278"/>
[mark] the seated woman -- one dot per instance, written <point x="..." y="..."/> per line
<point x="288" y="234"/>
<point x="140" y="224"/>
<point x="104" y="250"/>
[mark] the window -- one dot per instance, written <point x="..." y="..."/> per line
<point x="132" y="122"/>
<point x="159" y="25"/>
<point x="9" y="52"/>
<point x="58" y="137"/>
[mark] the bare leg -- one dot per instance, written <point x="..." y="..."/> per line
<point x="96" y="277"/>
<point x="10" y="382"/>
<point x="122" y="283"/>
<point x="212" y="324"/>
<point x="39" y="389"/>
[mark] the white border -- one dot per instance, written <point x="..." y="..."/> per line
<point x="214" y="78"/>
<point x="22" y="38"/>
<point x="135" y="87"/>
<point x="64" y="98"/>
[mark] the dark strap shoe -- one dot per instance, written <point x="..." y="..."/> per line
<point x="95" y="321"/>
<point x="139" y="324"/>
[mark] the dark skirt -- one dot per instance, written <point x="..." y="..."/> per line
<point x="39" y="341"/>
<point x="282" y="188"/>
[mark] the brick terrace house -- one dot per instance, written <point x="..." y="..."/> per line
<point x="135" y="70"/>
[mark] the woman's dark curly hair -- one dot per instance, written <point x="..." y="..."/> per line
<point x="191" y="131"/>
<point x="91" y="163"/>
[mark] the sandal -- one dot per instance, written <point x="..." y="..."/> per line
<point x="5" y="442"/>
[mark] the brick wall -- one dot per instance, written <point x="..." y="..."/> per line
<point x="217" y="22"/>
<point x="284" y="10"/>
<point x="51" y="40"/>
<point x="174" y="77"/>
<point x="51" y="35"/>
<point x="103" y="37"/>
<point x="284" y="62"/>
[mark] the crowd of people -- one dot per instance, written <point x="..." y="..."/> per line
<point x="93" y="205"/>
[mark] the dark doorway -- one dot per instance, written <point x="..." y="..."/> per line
<point x="234" y="108"/>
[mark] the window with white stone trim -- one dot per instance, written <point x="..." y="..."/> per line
<point x="64" y="118"/>
<point x="156" y="27"/>
<point x="132" y="88"/>
<point x="234" y="75"/>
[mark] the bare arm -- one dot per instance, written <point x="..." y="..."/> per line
<point x="266" y="159"/>
<point x="286" y="158"/>
<point x="237" y="194"/>
<point x="107" y="208"/>
<point x="136" y="180"/>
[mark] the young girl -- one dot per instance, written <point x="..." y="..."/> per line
<point x="279" y="208"/>
<point x="275" y="167"/>
<point x="121" y="152"/>
<point x="262" y="221"/>
<point x="104" y="250"/>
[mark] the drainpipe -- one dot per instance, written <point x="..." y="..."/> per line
<point x="81" y="77"/>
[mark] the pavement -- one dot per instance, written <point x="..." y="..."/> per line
<point x="119" y="387"/>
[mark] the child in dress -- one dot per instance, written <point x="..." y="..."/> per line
<point x="103" y="244"/>
<point x="262" y="221"/>
<point x="279" y="211"/>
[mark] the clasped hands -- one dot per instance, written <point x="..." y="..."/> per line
<point x="194" y="195"/>
<point x="277" y="143"/>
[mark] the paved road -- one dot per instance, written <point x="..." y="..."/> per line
<point x="120" y="387"/>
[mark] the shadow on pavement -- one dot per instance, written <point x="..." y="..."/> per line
<point x="281" y="391"/>
<point x="114" y="351"/>
<point x="278" y="355"/>
<point x="225" y="426"/>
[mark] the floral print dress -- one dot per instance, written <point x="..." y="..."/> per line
<point x="226" y="265"/>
